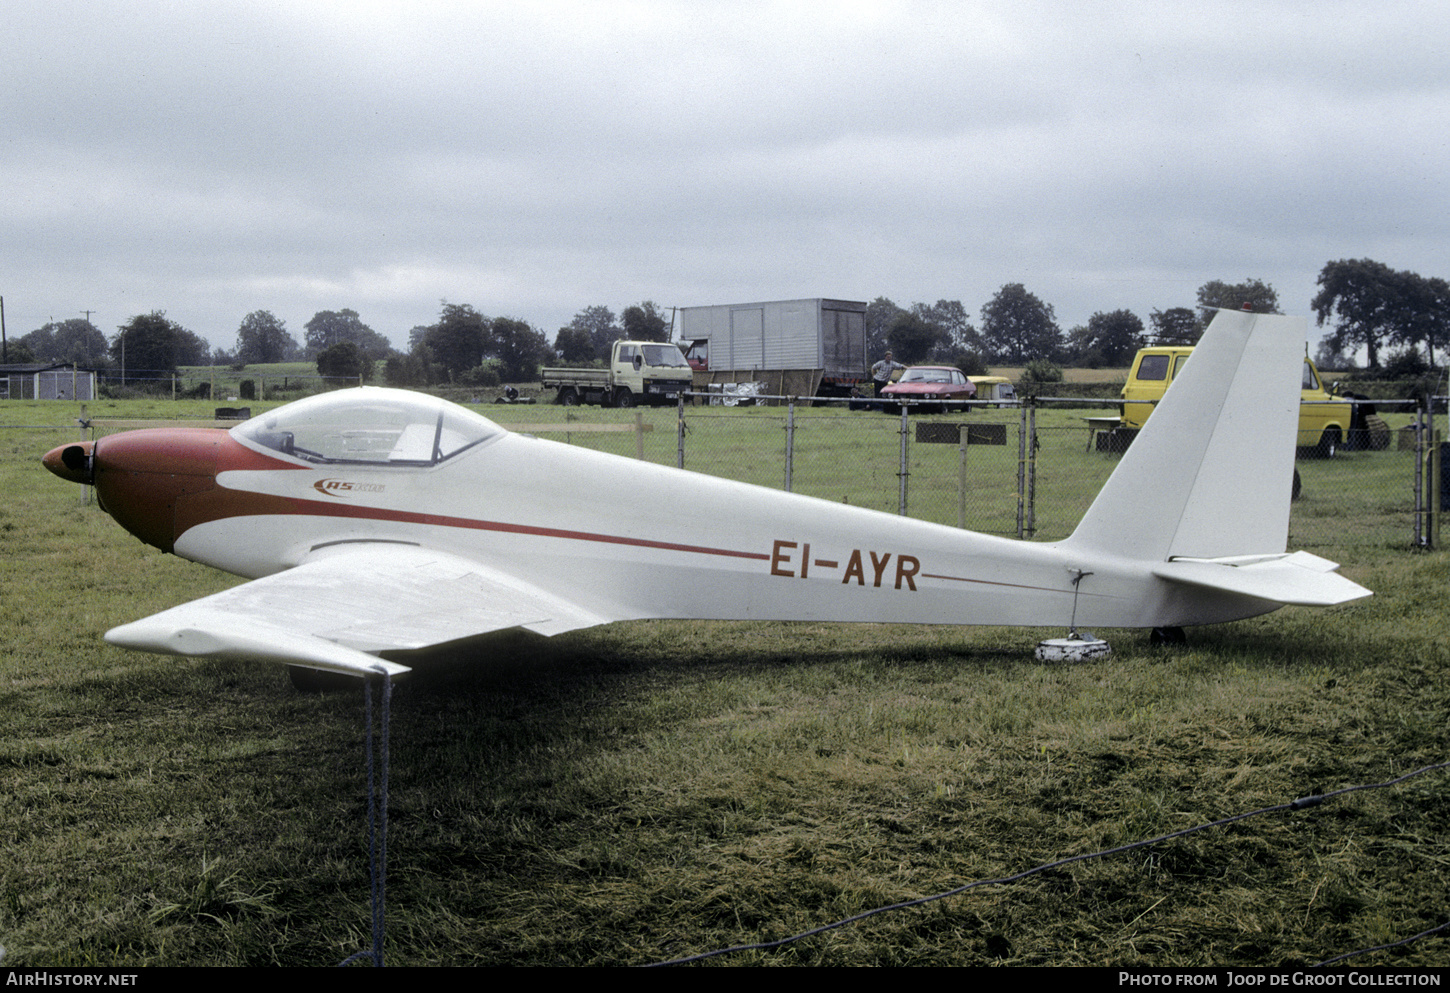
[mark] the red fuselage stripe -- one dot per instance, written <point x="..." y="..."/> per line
<point x="319" y="509"/>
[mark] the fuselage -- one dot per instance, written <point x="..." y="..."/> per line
<point x="624" y="538"/>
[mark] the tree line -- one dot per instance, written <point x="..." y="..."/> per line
<point x="463" y="346"/>
<point x="1018" y="328"/>
<point x="1397" y="318"/>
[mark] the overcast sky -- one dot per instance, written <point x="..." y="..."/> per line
<point x="532" y="159"/>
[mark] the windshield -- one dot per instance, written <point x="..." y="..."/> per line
<point x="368" y="426"/>
<point x="1311" y="381"/>
<point x="668" y="356"/>
<point x="926" y="376"/>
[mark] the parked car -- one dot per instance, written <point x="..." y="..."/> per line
<point x="930" y="388"/>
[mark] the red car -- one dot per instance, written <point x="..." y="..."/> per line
<point x="939" y="388"/>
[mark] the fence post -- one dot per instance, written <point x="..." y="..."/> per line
<point x="902" y="474"/>
<point x="963" y="436"/>
<point x="789" y="440"/>
<point x="1433" y="464"/>
<point x="680" y="434"/>
<point x="1021" y="464"/>
<point x="1422" y="538"/>
<point x="1032" y="470"/>
<point x="639" y="436"/>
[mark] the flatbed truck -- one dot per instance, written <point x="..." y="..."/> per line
<point x="639" y="372"/>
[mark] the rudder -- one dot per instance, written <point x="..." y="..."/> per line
<point x="1210" y="473"/>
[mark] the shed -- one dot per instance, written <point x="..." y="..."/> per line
<point x="46" y="381"/>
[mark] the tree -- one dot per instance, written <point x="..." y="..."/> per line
<point x="951" y="317"/>
<point x="151" y="343"/>
<point x="1175" y="326"/>
<point x="1041" y="371"/>
<point x="1107" y="340"/>
<point x="599" y="324"/>
<point x="1330" y="356"/>
<point x="19" y="352"/>
<point x="1017" y="326"/>
<point x="405" y="370"/>
<point x="880" y="313"/>
<point x="911" y="339"/>
<point x="344" y="360"/>
<point x="1425" y="315"/>
<point x="328" y="327"/>
<point x="645" y="322"/>
<point x="521" y="350"/>
<point x="1360" y="298"/>
<point x="1371" y="305"/>
<point x="1252" y="294"/>
<point x="39" y="344"/>
<point x="460" y="341"/>
<point x="263" y="338"/>
<point x="574" y="345"/>
<point x="76" y="340"/>
<point x="965" y="359"/>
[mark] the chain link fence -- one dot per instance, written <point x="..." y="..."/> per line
<point x="1027" y="470"/>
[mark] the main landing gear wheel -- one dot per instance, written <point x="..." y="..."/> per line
<point x="1168" y="636"/>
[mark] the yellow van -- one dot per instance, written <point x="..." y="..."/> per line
<point x="1324" y="420"/>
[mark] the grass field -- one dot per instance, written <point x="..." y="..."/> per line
<point x="642" y="791"/>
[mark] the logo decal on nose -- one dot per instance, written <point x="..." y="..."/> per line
<point x="341" y="488"/>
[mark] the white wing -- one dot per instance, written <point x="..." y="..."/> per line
<point x="347" y="601"/>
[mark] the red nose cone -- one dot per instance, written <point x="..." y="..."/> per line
<point x="141" y="476"/>
<point x="70" y="462"/>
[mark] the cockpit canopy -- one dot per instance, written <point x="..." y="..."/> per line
<point x="368" y="426"/>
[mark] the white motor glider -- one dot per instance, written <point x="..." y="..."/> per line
<point x="373" y="520"/>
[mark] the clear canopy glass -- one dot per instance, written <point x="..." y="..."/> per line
<point x="368" y="426"/>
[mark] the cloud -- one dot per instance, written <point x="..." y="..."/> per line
<point x="532" y="159"/>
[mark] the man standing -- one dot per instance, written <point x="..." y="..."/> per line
<point x="881" y="372"/>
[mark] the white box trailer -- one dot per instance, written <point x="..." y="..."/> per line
<point x="814" y="347"/>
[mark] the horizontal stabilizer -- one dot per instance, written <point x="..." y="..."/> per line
<point x="1301" y="578"/>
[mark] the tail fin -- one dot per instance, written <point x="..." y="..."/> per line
<point x="1210" y="474"/>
